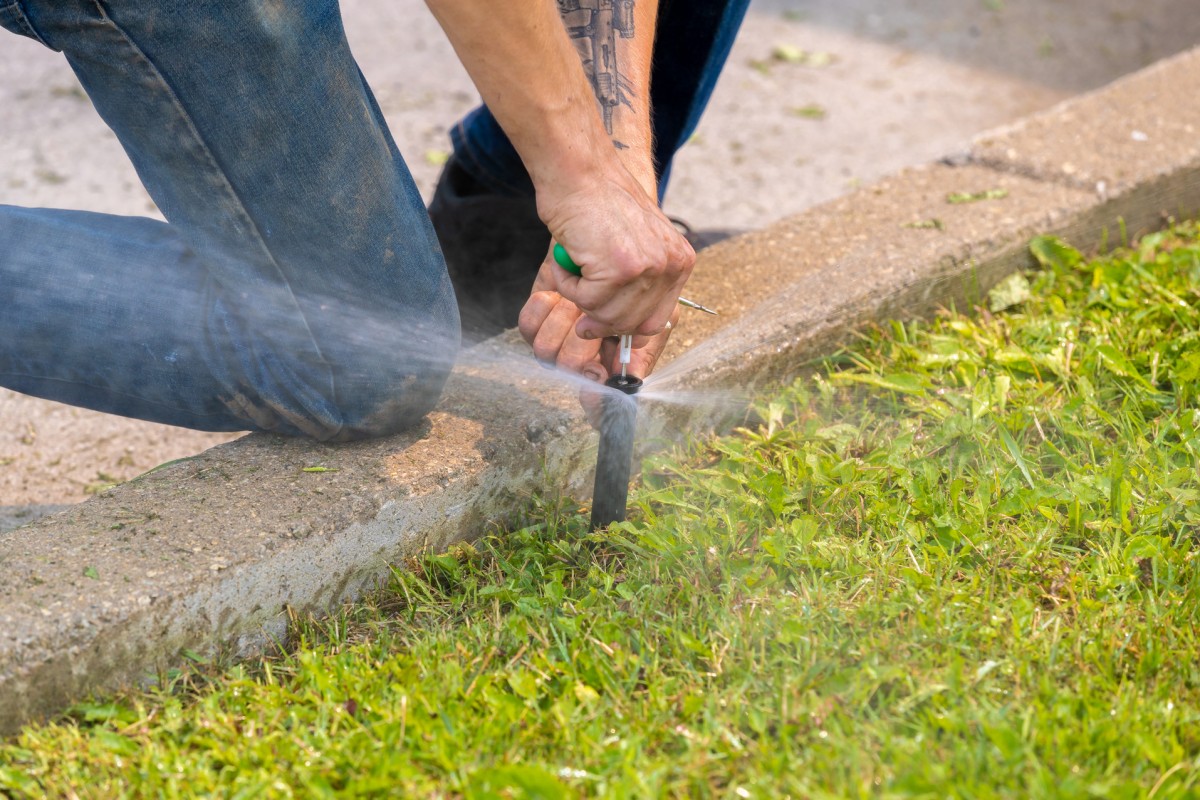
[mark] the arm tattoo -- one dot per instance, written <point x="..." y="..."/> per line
<point x="594" y="26"/>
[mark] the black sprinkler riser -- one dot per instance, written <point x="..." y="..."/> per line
<point x="614" y="461"/>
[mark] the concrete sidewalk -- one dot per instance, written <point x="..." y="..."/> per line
<point x="209" y="554"/>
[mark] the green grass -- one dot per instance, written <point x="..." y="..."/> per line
<point x="959" y="561"/>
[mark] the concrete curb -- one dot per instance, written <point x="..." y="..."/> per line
<point x="210" y="553"/>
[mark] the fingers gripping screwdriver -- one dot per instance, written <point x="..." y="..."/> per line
<point x="564" y="260"/>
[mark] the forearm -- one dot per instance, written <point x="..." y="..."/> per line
<point x="529" y="74"/>
<point x="615" y="45"/>
<point x="585" y="139"/>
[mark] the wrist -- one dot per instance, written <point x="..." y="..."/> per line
<point x="577" y="175"/>
<point x="633" y="146"/>
<point x="641" y="166"/>
<point x="602" y="169"/>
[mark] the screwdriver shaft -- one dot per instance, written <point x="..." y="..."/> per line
<point x="683" y="301"/>
<point x="625" y="354"/>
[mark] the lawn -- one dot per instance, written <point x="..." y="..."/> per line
<point x="956" y="560"/>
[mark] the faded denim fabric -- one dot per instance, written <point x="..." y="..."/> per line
<point x="297" y="285"/>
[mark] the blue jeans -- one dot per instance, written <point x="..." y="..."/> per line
<point x="297" y="285"/>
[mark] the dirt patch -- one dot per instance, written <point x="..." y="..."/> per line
<point x="52" y="454"/>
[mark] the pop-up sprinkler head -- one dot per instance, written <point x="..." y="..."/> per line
<point x="618" y="419"/>
<point x="624" y="383"/>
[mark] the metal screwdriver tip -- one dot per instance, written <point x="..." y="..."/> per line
<point x="683" y="301"/>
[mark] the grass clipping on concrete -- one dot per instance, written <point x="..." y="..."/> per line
<point x="959" y="561"/>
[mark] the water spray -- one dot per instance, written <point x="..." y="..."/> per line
<point x="618" y="422"/>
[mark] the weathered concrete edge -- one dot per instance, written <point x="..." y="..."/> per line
<point x="792" y="340"/>
<point x="129" y="648"/>
<point x="245" y="609"/>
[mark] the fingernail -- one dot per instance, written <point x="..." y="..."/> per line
<point x="545" y="364"/>
<point x="589" y="335"/>
<point x="593" y="375"/>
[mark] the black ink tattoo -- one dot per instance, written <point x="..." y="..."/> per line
<point x="594" y="26"/>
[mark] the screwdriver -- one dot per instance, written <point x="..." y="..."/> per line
<point x="565" y="261"/>
<point x="683" y="301"/>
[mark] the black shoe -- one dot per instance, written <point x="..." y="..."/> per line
<point x="493" y="246"/>
<point x="702" y="239"/>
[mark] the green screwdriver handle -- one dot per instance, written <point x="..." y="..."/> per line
<point x="564" y="260"/>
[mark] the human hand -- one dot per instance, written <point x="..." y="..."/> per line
<point x="634" y="262"/>
<point x="548" y="323"/>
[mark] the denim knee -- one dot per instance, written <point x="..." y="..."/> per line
<point x="396" y="400"/>
<point x="391" y="399"/>
<point x="334" y="366"/>
<point x="389" y="363"/>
